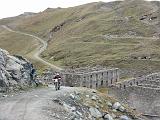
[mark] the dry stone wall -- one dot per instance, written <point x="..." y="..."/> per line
<point x="143" y="99"/>
<point x="91" y="77"/>
<point x="151" y="81"/>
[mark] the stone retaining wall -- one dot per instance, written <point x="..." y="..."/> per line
<point x="143" y="99"/>
<point x="152" y="82"/>
<point x="92" y="78"/>
<point x="140" y="90"/>
<point x="149" y="79"/>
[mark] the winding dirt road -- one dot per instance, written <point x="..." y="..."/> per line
<point x="32" y="105"/>
<point x="39" y="50"/>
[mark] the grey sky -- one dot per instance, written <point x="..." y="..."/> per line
<point x="14" y="7"/>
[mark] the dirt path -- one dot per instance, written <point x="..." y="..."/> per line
<point x="31" y="105"/>
<point x="39" y="50"/>
<point x="120" y="37"/>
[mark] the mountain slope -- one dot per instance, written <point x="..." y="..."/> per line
<point x="116" y="34"/>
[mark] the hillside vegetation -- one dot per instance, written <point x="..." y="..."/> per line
<point x="19" y="44"/>
<point x="115" y="34"/>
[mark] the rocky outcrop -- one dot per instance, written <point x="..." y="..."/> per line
<point x="15" y="72"/>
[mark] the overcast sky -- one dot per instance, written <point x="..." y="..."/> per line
<point x="10" y="8"/>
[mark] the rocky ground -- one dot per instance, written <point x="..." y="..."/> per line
<point x="87" y="104"/>
<point x="66" y="104"/>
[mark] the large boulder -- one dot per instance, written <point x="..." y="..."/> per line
<point x="108" y="117"/>
<point x="116" y="105"/>
<point x="95" y="112"/>
<point x="15" y="72"/>
<point x="123" y="117"/>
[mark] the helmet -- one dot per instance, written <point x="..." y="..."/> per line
<point x="57" y="73"/>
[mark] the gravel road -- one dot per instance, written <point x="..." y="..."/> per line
<point x="32" y="105"/>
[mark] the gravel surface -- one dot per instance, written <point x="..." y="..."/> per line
<point x="33" y="105"/>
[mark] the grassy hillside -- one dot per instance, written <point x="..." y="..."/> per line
<point x="80" y="35"/>
<point x="18" y="44"/>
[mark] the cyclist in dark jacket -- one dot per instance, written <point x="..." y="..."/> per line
<point x="57" y="78"/>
